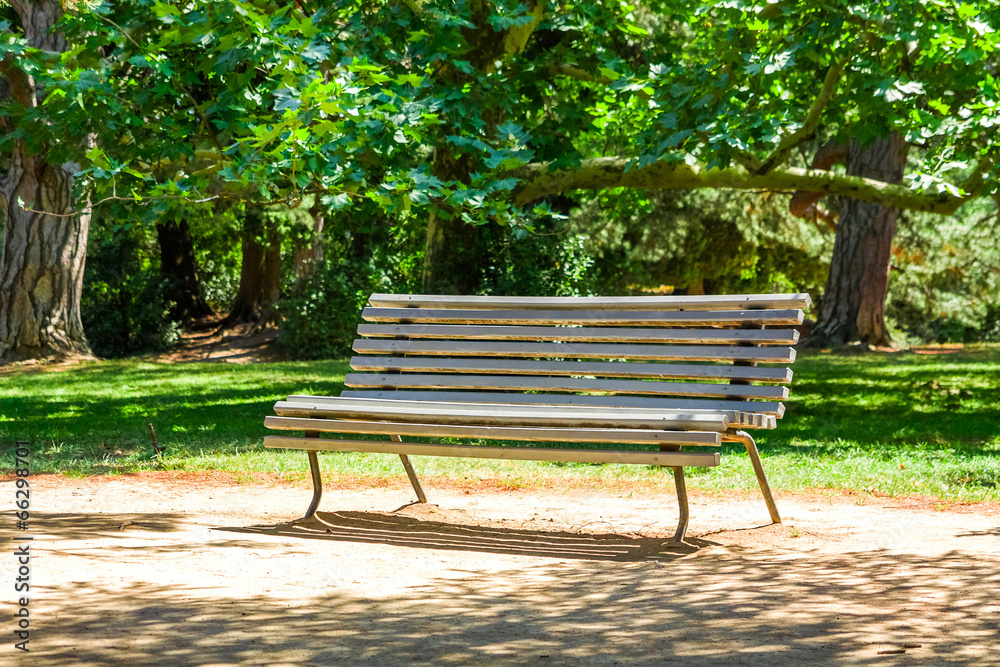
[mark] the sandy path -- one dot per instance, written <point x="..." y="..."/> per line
<point x="207" y="573"/>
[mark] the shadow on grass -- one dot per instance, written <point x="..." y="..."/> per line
<point x="109" y="405"/>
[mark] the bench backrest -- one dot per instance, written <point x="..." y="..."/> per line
<point x="665" y="352"/>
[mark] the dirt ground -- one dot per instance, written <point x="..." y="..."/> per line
<point x="186" y="569"/>
<point x="198" y="569"/>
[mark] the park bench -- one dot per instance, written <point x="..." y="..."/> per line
<point x="660" y="372"/>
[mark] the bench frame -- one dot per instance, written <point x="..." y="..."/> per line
<point x="418" y="449"/>
<point x="670" y="454"/>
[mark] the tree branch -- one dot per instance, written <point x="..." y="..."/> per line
<point x="974" y="183"/>
<point x="790" y="141"/>
<point x="574" y="72"/>
<point x="538" y="181"/>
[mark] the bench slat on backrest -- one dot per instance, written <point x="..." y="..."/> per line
<point x="772" y="408"/>
<point x="586" y="317"/>
<point x="766" y="355"/>
<point x="590" y="334"/>
<point x="535" y="383"/>
<point x="605" y="368"/>
<point x="685" y="302"/>
<point x="519" y="351"/>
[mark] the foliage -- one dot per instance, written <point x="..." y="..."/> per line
<point x="947" y="284"/>
<point x="123" y="303"/>
<point x="689" y="241"/>
<point x="548" y="262"/>
<point x="935" y="431"/>
<point x="215" y="232"/>
<point x="320" y="319"/>
<point x="395" y="114"/>
<point x="363" y="253"/>
<point x="211" y="99"/>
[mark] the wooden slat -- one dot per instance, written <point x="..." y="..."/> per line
<point x="585" y="317"/>
<point x="536" y="383"/>
<point x="764" y="355"/>
<point x="737" y="418"/>
<point x="697" y="459"/>
<point x="625" y="436"/>
<point x="599" y="368"/>
<point x="502" y="415"/>
<point x="684" y="302"/>
<point x="581" y="334"/>
<point x="772" y="408"/>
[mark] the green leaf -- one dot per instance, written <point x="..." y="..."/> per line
<point x="336" y="202"/>
<point x="677" y="138"/>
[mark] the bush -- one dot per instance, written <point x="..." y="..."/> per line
<point x="123" y="306"/>
<point x="364" y="252"/>
<point x="946" y="284"/>
<point x="320" y="319"/>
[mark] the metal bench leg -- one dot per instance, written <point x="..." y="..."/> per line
<point x="317" y="485"/>
<point x="411" y="473"/>
<point x="758" y="470"/>
<point x="682" y="495"/>
<point x="682" y="502"/>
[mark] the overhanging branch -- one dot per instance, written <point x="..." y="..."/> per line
<point x="604" y="173"/>
<point x="790" y="141"/>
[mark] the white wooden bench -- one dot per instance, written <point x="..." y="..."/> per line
<point x="558" y="370"/>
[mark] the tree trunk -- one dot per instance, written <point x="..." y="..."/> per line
<point x="453" y="253"/>
<point x="307" y="256"/>
<point x="260" y="271"/>
<point x="853" y="304"/>
<point x="41" y="269"/>
<point x="179" y="265"/>
<point x="454" y="259"/>
<point x="41" y="266"/>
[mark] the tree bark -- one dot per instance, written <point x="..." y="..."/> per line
<point x="41" y="269"/>
<point x="44" y="250"/>
<point x="260" y="271"/>
<point x="853" y="305"/>
<point x="306" y="257"/>
<point x="179" y="265"/>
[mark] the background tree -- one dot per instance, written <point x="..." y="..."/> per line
<point x="179" y="265"/>
<point x="45" y="223"/>
<point x="484" y="112"/>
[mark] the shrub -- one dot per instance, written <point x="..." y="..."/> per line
<point x="123" y="306"/>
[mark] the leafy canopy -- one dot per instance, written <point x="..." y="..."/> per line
<point x="265" y="101"/>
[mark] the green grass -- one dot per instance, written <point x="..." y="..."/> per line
<point x="899" y="424"/>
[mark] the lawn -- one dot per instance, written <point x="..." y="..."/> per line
<point x="897" y="424"/>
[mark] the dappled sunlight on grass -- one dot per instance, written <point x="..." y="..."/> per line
<point x="893" y="423"/>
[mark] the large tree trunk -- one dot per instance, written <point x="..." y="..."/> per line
<point x="260" y="271"/>
<point x="179" y="265"/>
<point x="853" y="304"/>
<point x="41" y="267"/>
